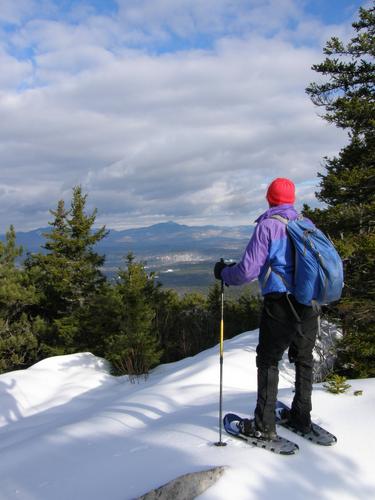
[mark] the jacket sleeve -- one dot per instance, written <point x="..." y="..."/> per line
<point x="253" y="259"/>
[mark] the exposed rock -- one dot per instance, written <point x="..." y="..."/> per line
<point x="186" y="487"/>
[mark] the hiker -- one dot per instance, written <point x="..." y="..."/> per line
<point x="285" y="323"/>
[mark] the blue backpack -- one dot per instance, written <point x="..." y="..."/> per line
<point x="318" y="274"/>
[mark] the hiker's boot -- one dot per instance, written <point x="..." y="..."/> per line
<point x="249" y="428"/>
<point x="302" y="425"/>
<point x="264" y="413"/>
<point x="301" y="406"/>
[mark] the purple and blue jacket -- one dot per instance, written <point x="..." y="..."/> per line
<point x="268" y="247"/>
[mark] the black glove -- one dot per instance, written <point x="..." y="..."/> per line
<point x="219" y="266"/>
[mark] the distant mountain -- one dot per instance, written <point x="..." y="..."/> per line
<point x="160" y="243"/>
<point x="31" y="241"/>
<point x="175" y="243"/>
<point x="181" y="255"/>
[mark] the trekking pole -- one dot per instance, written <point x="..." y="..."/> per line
<point x="220" y="442"/>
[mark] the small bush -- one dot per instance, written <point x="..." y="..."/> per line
<point x="336" y="384"/>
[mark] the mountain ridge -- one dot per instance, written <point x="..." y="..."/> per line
<point x="156" y="240"/>
<point x="182" y="256"/>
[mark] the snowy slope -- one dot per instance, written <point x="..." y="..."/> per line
<point x="71" y="431"/>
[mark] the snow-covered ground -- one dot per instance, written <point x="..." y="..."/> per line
<point x="71" y="431"/>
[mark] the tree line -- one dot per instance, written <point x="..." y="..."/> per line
<point x="59" y="301"/>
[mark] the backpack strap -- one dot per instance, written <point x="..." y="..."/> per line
<point x="285" y="221"/>
<point x="280" y="218"/>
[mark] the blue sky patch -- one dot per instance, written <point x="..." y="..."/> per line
<point x="333" y="11"/>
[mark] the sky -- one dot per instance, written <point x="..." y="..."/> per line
<point x="85" y="434"/>
<point x="161" y="109"/>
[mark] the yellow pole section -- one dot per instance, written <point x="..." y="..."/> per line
<point x="221" y="336"/>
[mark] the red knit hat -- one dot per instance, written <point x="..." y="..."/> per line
<point x="281" y="191"/>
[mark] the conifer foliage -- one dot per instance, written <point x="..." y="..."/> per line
<point x="348" y="186"/>
<point x="68" y="276"/>
<point x="18" y="342"/>
<point x="133" y="347"/>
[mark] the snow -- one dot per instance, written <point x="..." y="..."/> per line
<point x="71" y="431"/>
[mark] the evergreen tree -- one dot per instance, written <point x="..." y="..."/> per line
<point x="98" y="320"/>
<point x="167" y="307"/>
<point x="248" y="312"/>
<point x="348" y="185"/>
<point x="68" y="277"/>
<point x="214" y="313"/>
<point x="192" y="328"/>
<point x="133" y="347"/>
<point x="18" y="342"/>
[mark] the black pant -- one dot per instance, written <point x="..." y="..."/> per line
<point x="280" y="330"/>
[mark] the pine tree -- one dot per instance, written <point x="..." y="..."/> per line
<point x="18" y="341"/>
<point x="133" y="347"/>
<point x="348" y="186"/>
<point x="167" y="306"/>
<point x="214" y="313"/>
<point x="68" y="277"/>
<point x="193" y="329"/>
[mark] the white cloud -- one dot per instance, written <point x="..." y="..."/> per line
<point x="13" y="73"/>
<point x="162" y="18"/>
<point x="13" y="11"/>
<point x="193" y="136"/>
